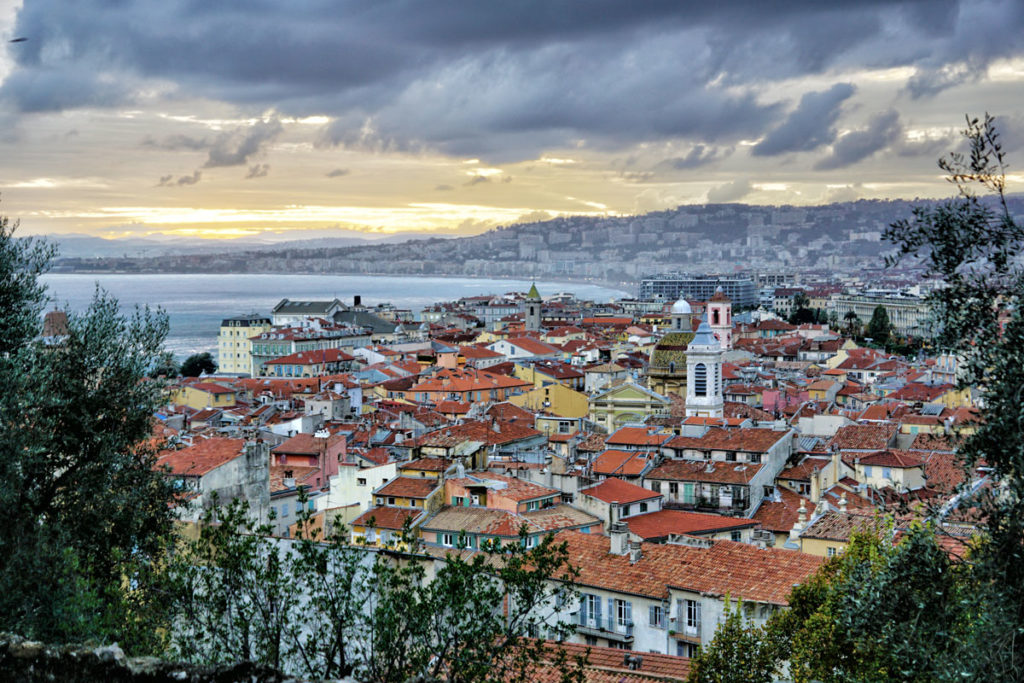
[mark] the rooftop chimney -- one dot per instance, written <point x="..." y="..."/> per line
<point x="619" y="534"/>
<point x="634" y="552"/>
<point x="357" y="301"/>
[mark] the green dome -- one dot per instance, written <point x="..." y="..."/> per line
<point x="670" y="349"/>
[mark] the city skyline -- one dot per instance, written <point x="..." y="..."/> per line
<point x="285" y="122"/>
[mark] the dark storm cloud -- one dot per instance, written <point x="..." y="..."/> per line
<point x="882" y="130"/>
<point x="699" y="155"/>
<point x="496" y="80"/>
<point x="234" y="148"/>
<point x="809" y="126"/>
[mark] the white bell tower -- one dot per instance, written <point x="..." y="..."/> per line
<point x="704" y="374"/>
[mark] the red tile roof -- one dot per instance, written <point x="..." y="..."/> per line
<point x="202" y="457"/>
<point x="622" y="463"/>
<point x="385" y="517"/>
<point x="614" y="490"/>
<point x="780" y="515"/>
<point x="408" y="487"/>
<point x="211" y="388"/>
<point x="892" y="458"/>
<point x="869" y="437"/>
<point x="715" y="472"/>
<point x="307" y="444"/>
<point x="746" y="439"/>
<point x="664" y="522"/>
<point x="636" y="436"/>
<point x="738" y="569"/>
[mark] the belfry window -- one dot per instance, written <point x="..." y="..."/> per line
<point x="700" y="380"/>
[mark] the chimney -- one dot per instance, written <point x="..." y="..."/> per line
<point x="634" y="552"/>
<point x="835" y="465"/>
<point x="357" y="301"/>
<point x="815" y="485"/>
<point x="842" y="502"/>
<point x="619" y="534"/>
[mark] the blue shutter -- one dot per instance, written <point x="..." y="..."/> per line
<point x="650" y="616"/>
<point x="597" y="607"/>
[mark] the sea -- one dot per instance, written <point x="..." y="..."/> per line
<point x="196" y="303"/>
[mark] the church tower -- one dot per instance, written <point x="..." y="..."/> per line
<point x="704" y="374"/>
<point x="720" y="317"/>
<point x="681" y="316"/>
<point x="532" y="309"/>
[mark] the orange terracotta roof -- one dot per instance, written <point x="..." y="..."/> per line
<point x="715" y="472"/>
<point x="636" y="436"/>
<point x="747" y="439"/>
<point x="661" y="523"/>
<point x="741" y="570"/>
<point x="622" y="463"/>
<point x="892" y="458"/>
<point x="386" y="517"/>
<point x="780" y="515"/>
<point x="408" y="487"/>
<point x="869" y="437"/>
<point x="614" y="490"/>
<point x="211" y="388"/>
<point x="202" y="457"/>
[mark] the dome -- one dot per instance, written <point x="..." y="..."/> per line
<point x="682" y="307"/>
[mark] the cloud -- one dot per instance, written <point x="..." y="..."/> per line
<point x="169" y="181"/>
<point x="810" y="125"/>
<point x="503" y="81"/>
<point x="236" y="147"/>
<point x="729" y="192"/>
<point x="477" y="180"/>
<point x="444" y="188"/>
<point x="882" y="130"/>
<point x="176" y="142"/>
<point x="337" y="173"/>
<point x="258" y="171"/>
<point x="699" y="155"/>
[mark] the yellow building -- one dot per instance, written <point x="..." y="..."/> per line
<point x="625" y="403"/>
<point x="234" y="350"/>
<point x="383" y="527"/>
<point x="555" y="399"/>
<point x="204" y="395"/>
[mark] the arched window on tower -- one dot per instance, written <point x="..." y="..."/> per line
<point x="700" y="380"/>
<point x="714" y="316"/>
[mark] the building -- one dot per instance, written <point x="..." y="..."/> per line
<point x="720" y="318"/>
<point x="283" y="341"/>
<point x="532" y="309"/>
<point x="288" y="312"/>
<point x="704" y="375"/>
<point x="666" y="368"/>
<point x="233" y="343"/>
<point x="908" y="314"/>
<point x="670" y="287"/>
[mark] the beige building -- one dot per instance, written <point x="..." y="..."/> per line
<point x="234" y="349"/>
<point x="907" y="313"/>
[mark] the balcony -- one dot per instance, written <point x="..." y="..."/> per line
<point x="681" y="630"/>
<point x="605" y="627"/>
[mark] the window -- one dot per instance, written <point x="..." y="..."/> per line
<point x="591" y="610"/>
<point x="886" y="473"/>
<point x="380" y="501"/>
<point x="361" y="481"/>
<point x="657" y="616"/>
<point x="673" y="489"/>
<point x="590" y="640"/>
<point x="623" y="613"/>
<point x="736" y="536"/>
<point x="446" y="539"/>
<point x="831" y="552"/>
<point x="284" y="510"/>
<point x="643" y="507"/>
<point x="624" y="511"/>
<point x="700" y="380"/>
<point x="691" y="617"/>
<point x="688" y="496"/>
<point x="391" y="500"/>
<point x="656" y="486"/>
<point x="867" y="471"/>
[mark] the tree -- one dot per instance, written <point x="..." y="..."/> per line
<point x="165" y="366"/>
<point x="740" y="652"/>
<point x="801" y="312"/>
<point x="879" y="326"/>
<point x="320" y="609"/>
<point x="197" y="364"/>
<point x="972" y="245"/>
<point x="86" y="516"/>
<point x="852" y="322"/>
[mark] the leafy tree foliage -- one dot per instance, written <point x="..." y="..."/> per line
<point x="973" y="245"/>
<point x="740" y="652"/>
<point x="332" y="610"/>
<point x="879" y="326"/>
<point x="165" y="366"/>
<point x="86" y="516"/>
<point x="197" y="364"/>
<point x="801" y="311"/>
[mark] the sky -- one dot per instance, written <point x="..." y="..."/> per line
<point x="185" y="119"/>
